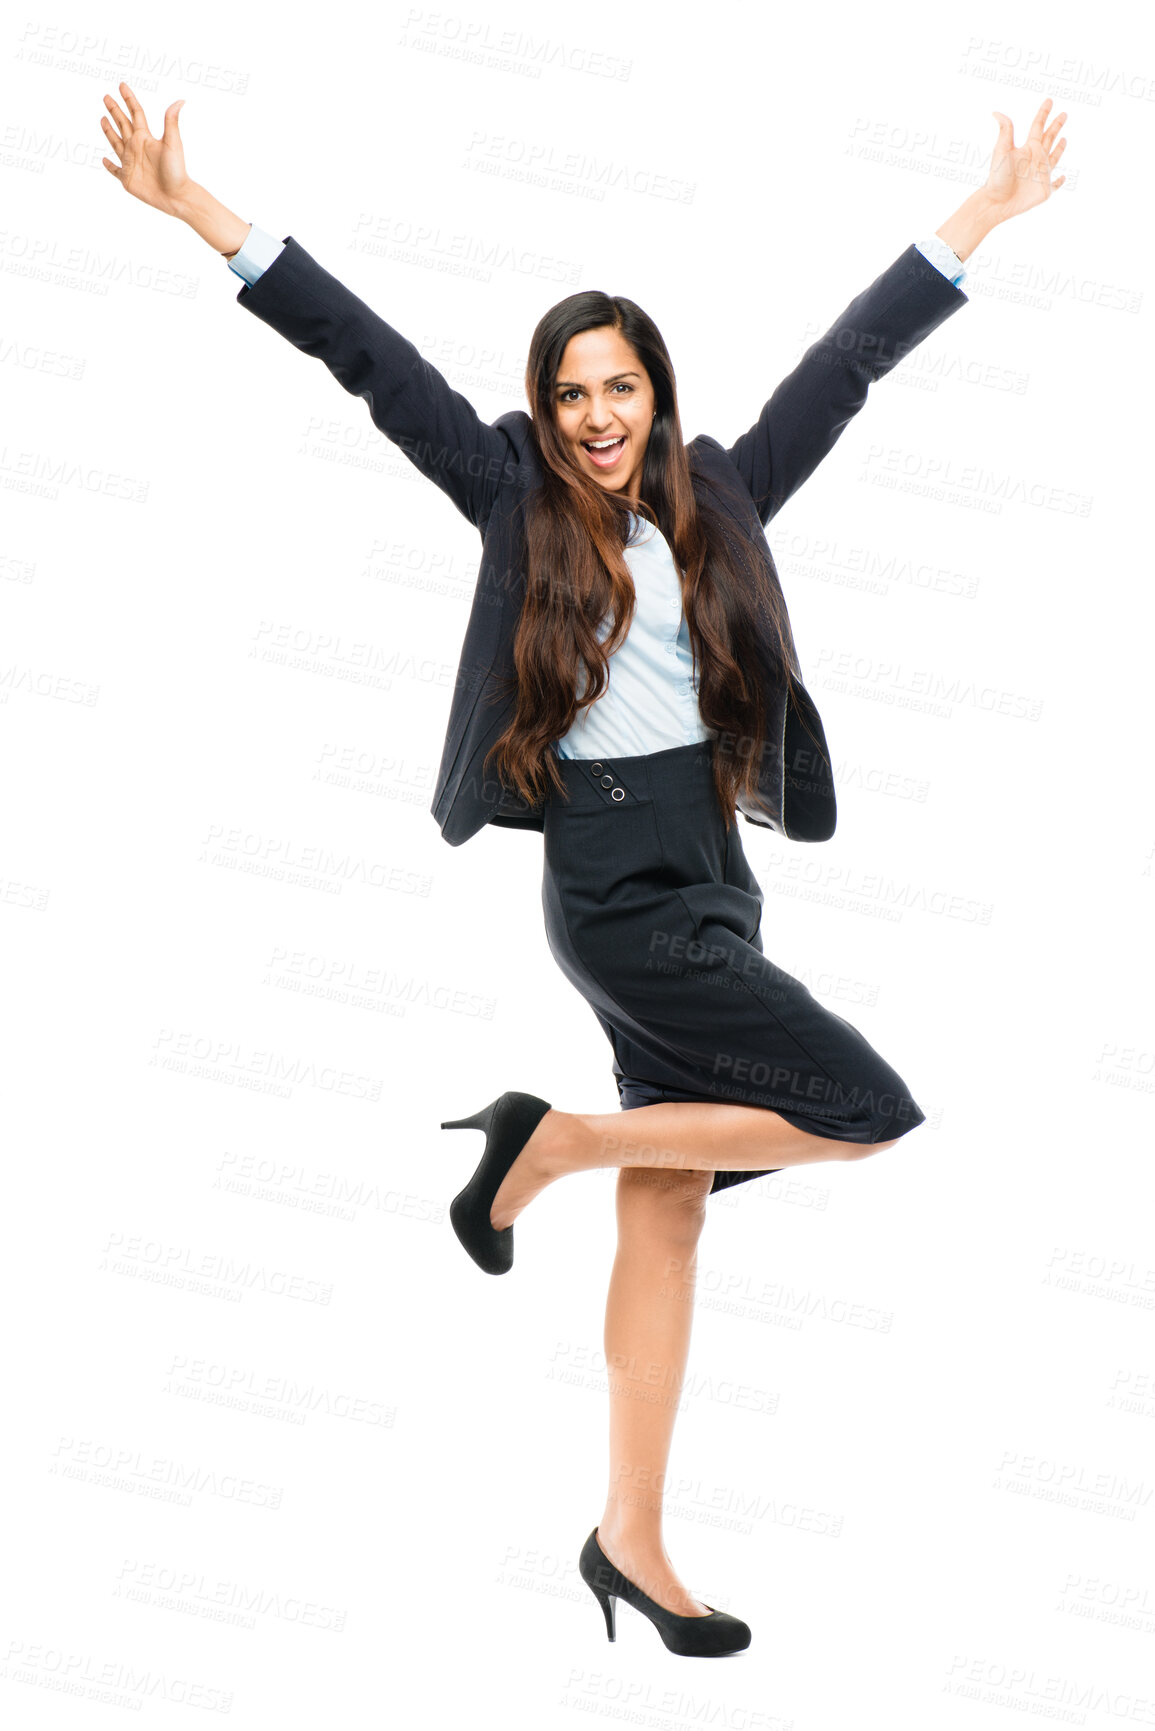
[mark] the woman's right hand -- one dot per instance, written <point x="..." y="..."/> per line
<point x="151" y="169"/>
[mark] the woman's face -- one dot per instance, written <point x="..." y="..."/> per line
<point x="603" y="392"/>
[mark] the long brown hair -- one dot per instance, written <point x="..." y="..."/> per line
<point x="576" y="573"/>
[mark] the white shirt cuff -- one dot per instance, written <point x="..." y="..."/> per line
<point x="256" y="254"/>
<point x="943" y="257"/>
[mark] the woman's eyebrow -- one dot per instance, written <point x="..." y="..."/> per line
<point x="571" y="384"/>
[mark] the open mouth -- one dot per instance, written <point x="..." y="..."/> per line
<point x="604" y="453"/>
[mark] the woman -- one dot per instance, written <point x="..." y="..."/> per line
<point x="646" y="695"/>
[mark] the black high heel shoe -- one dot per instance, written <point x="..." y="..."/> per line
<point x="508" y="1122"/>
<point x="700" y="1637"/>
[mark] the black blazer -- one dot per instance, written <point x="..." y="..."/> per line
<point x="487" y="469"/>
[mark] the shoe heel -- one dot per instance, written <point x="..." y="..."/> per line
<point x="479" y="1121"/>
<point x="609" y="1607"/>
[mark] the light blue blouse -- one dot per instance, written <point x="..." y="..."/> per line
<point x="651" y="700"/>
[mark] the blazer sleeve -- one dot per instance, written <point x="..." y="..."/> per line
<point x="801" y="422"/>
<point x="408" y="398"/>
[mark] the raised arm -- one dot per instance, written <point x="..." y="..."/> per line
<point x="808" y="411"/>
<point x="410" y="401"/>
<point x="806" y="414"/>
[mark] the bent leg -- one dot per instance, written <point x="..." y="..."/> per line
<point x="681" y="1134"/>
<point x="676" y="1135"/>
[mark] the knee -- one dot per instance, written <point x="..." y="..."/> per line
<point x="856" y="1150"/>
<point x="668" y="1204"/>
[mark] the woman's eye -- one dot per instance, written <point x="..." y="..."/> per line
<point x="621" y="384"/>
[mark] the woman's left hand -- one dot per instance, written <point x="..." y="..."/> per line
<point x="1020" y="174"/>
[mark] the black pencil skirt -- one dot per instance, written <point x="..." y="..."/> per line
<point x="653" y="912"/>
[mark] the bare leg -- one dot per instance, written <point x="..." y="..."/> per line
<point x="647" y="1339"/>
<point x="671" y="1136"/>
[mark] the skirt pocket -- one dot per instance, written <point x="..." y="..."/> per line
<point x="598" y="853"/>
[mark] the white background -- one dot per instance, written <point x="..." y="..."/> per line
<point x="275" y="1448"/>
